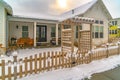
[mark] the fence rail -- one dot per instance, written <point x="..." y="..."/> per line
<point x="48" y="61"/>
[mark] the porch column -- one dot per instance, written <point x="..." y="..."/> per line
<point x="57" y="34"/>
<point x="35" y="34"/>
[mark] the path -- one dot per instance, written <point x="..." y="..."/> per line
<point x="113" y="74"/>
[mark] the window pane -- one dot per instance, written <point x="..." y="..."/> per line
<point x="115" y="31"/>
<point x="24" y="34"/>
<point x="101" y="34"/>
<point x="101" y="29"/>
<point x="112" y="31"/>
<point x="96" y="29"/>
<point x="96" y="21"/>
<point x="24" y="31"/>
<point x="66" y="26"/>
<point x="52" y="31"/>
<point x="24" y="28"/>
<point x="80" y="27"/>
<point x="101" y="22"/>
<point x="96" y="34"/>
<point x="43" y="35"/>
<point x="115" y="22"/>
<point x="112" y="22"/>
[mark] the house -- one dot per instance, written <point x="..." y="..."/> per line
<point x="43" y="30"/>
<point x="114" y="28"/>
<point x="97" y="10"/>
<point x="5" y="10"/>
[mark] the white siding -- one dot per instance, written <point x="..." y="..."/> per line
<point x="97" y="12"/>
<point x="2" y="26"/>
<point x="13" y="31"/>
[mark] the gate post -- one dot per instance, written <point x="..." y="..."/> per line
<point x="118" y="48"/>
<point x="15" y="67"/>
<point x="107" y="51"/>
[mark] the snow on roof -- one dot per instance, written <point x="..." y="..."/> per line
<point x="47" y="18"/>
<point x="78" y="11"/>
<point x="7" y="7"/>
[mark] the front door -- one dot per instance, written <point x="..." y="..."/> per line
<point x="41" y="33"/>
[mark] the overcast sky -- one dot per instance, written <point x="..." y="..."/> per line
<point x="38" y="8"/>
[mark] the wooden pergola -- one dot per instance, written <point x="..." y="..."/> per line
<point x="84" y="36"/>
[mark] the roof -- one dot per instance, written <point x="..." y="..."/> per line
<point x="70" y="14"/>
<point x="30" y="19"/>
<point x="7" y="7"/>
<point x="82" y="9"/>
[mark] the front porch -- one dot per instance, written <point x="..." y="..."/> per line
<point x="33" y="34"/>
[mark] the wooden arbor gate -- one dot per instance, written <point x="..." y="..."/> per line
<point x="84" y="36"/>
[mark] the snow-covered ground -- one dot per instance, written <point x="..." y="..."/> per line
<point x="22" y="53"/>
<point x="78" y="72"/>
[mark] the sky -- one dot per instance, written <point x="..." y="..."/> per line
<point x="38" y="8"/>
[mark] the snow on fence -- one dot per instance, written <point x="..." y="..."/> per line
<point x="47" y="61"/>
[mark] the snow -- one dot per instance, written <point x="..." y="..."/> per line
<point x="78" y="72"/>
<point x="75" y="73"/>
<point x="77" y="11"/>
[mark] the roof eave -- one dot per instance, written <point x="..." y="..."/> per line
<point x="8" y="8"/>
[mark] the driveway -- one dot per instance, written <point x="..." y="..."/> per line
<point x="113" y="74"/>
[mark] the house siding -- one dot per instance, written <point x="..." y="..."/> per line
<point x="2" y="26"/>
<point x="97" y="12"/>
<point x="17" y="32"/>
<point x="13" y="31"/>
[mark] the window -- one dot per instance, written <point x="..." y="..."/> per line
<point x="97" y="32"/>
<point x="80" y="27"/>
<point x="67" y="26"/>
<point x="115" y="22"/>
<point x="77" y="30"/>
<point x="24" y="31"/>
<point x="115" y="31"/>
<point x="96" y="21"/>
<point x="101" y="32"/>
<point x="101" y="22"/>
<point x="52" y="31"/>
<point x="112" y="31"/>
<point x="112" y="22"/>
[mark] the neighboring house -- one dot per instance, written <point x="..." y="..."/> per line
<point x="5" y="10"/>
<point x="43" y="30"/>
<point x="114" y="28"/>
